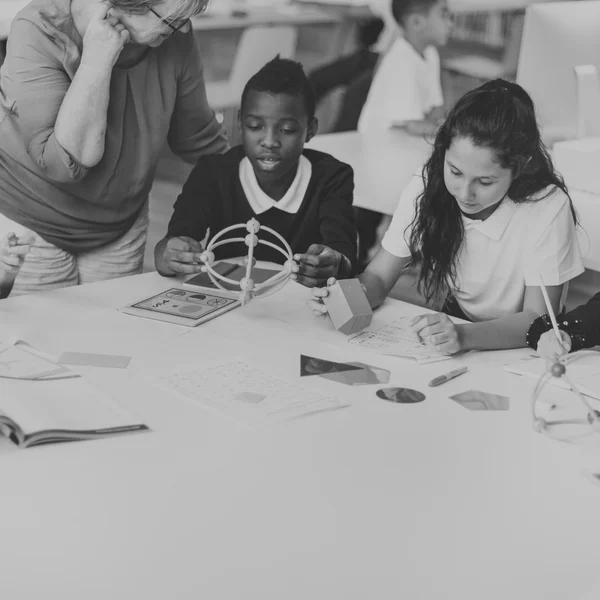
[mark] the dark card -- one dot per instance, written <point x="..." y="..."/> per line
<point x="310" y="365"/>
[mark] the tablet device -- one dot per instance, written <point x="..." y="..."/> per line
<point x="230" y="270"/>
<point x="182" y="307"/>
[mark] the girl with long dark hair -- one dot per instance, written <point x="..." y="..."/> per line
<point x="487" y="222"/>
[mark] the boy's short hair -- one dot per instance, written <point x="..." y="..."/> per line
<point x="283" y="76"/>
<point x="402" y="9"/>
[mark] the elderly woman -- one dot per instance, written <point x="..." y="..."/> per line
<point x="90" y="91"/>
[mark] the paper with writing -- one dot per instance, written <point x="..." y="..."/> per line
<point x="396" y="338"/>
<point x="244" y="391"/>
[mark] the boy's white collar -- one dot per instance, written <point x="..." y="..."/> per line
<point x="261" y="202"/>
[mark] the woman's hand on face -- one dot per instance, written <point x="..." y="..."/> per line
<point x="548" y="345"/>
<point x="438" y="331"/>
<point x="104" y="39"/>
<point x="316" y="302"/>
<point x="182" y="255"/>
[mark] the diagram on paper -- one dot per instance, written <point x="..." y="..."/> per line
<point x="396" y="338"/>
<point x="244" y="391"/>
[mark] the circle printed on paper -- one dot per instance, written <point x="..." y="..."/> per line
<point x="400" y="395"/>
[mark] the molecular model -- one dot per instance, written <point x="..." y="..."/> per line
<point x="557" y="369"/>
<point x="248" y="288"/>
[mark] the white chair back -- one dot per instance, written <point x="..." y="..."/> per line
<point x="257" y="46"/>
<point x="588" y="101"/>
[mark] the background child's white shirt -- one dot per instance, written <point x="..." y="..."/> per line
<point x="383" y="10"/>
<point x="260" y="202"/>
<point x="406" y="86"/>
<point x="512" y="249"/>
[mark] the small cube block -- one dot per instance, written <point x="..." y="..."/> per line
<point x="348" y="306"/>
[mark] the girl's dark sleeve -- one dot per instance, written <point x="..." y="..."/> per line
<point x="586" y="318"/>
<point x="582" y="324"/>
<point x="336" y="215"/>
<point x="193" y="212"/>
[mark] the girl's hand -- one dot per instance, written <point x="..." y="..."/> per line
<point x="104" y="39"/>
<point x="182" y="255"/>
<point x="318" y="293"/>
<point x="437" y="330"/>
<point x="548" y="345"/>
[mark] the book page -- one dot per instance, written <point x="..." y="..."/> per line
<point x="244" y="391"/>
<point x="71" y="404"/>
<point x="396" y="338"/>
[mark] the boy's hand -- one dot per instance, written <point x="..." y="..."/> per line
<point x="182" y="255"/>
<point x="317" y="265"/>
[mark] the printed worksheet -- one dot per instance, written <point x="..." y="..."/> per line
<point x="396" y="338"/>
<point x="244" y="391"/>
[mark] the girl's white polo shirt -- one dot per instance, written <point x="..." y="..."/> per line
<point x="511" y="249"/>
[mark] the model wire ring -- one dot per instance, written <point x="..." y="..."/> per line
<point x="558" y="369"/>
<point x="248" y="288"/>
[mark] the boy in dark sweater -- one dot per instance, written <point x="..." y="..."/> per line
<point x="304" y="195"/>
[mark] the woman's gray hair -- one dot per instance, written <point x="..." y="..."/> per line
<point x="183" y="9"/>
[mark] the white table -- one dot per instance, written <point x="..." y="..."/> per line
<point x="383" y="163"/>
<point x="379" y="500"/>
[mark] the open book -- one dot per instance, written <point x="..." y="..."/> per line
<point x="41" y="402"/>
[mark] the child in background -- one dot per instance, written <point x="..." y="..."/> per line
<point x="406" y="91"/>
<point x="304" y="195"/>
<point x="13" y="250"/>
<point x="485" y="225"/>
<point x="579" y="329"/>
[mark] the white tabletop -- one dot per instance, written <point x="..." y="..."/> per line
<point x="379" y="500"/>
<point x="383" y="163"/>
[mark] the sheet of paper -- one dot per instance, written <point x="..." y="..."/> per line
<point x="396" y="338"/>
<point x="244" y="391"/>
<point x="88" y="359"/>
<point x="18" y="360"/>
<point x="583" y="371"/>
